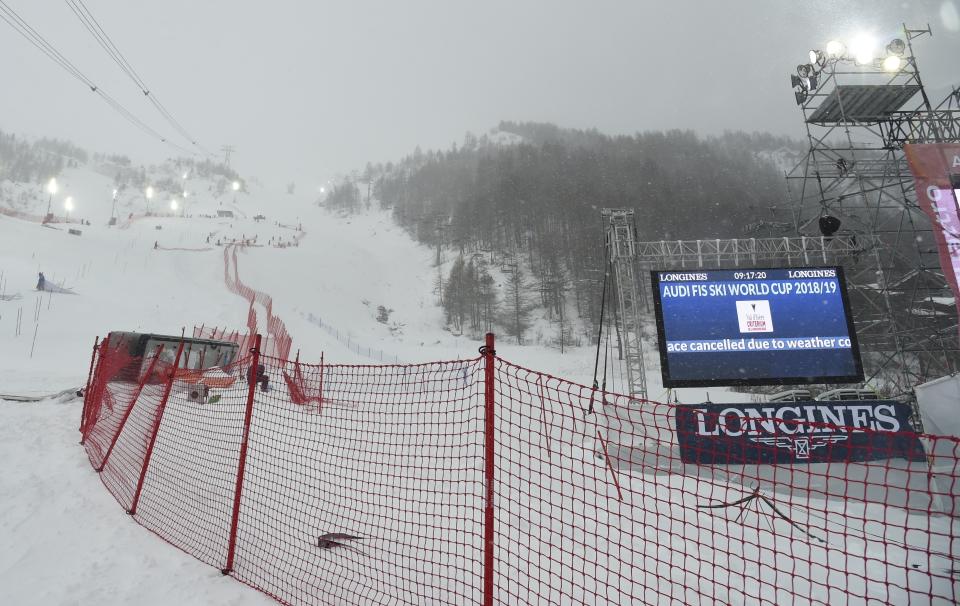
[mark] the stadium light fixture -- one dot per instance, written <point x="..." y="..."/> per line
<point x="68" y="205"/>
<point x="236" y="186"/>
<point x="829" y="225"/>
<point x="892" y="63"/>
<point x="818" y="59"/>
<point x="835" y="48"/>
<point x="149" y="192"/>
<point x="807" y="84"/>
<point x="173" y="205"/>
<point x="864" y="48"/>
<point x="52" y="190"/>
<point x="864" y="57"/>
<point x="113" y="208"/>
<point x="897" y="47"/>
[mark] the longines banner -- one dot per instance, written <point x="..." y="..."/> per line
<point x="796" y="433"/>
<point x="936" y="173"/>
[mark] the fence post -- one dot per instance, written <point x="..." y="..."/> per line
<point x="489" y="354"/>
<point x="86" y="388"/>
<point x="322" y="369"/>
<point x="251" y="389"/>
<point x="133" y="402"/>
<point x="156" y="429"/>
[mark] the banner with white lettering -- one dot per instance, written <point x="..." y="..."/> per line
<point x="936" y="175"/>
<point x="796" y="433"/>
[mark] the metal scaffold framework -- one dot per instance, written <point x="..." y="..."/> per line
<point x="621" y="238"/>
<point x="859" y="110"/>
<point x="631" y="259"/>
<point x="854" y="205"/>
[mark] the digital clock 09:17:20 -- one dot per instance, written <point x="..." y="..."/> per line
<point x="749" y="275"/>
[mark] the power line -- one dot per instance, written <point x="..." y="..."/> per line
<point x="100" y="35"/>
<point x="24" y="29"/>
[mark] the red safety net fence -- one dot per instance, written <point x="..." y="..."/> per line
<point x="277" y="341"/>
<point x="479" y="481"/>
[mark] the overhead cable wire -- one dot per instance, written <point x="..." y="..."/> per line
<point x="103" y="39"/>
<point x="23" y="28"/>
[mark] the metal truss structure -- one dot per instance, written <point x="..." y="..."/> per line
<point x="631" y="260"/>
<point x="630" y="288"/>
<point x="858" y="116"/>
<point x="745" y="252"/>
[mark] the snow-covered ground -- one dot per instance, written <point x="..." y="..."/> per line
<point x="344" y="268"/>
<point x="66" y="540"/>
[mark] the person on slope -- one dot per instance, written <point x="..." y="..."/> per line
<point x="261" y="377"/>
<point x="41" y="282"/>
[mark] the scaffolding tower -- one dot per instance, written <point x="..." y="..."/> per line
<point x="631" y="261"/>
<point x="859" y="112"/>
<point x="621" y="241"/>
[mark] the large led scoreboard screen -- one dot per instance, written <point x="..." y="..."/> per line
<point x="755" y="327"/>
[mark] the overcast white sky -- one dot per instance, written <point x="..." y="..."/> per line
<point x="306" y="90"/>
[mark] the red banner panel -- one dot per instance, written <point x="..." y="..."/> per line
<point x="936" y="171"/>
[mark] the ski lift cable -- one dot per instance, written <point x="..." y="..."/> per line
<point x="101" y="36"/>
<point x="23" y="28"/>
<point x="95" y="29"/>
<point x="103" y="39"/>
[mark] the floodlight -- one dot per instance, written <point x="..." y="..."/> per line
<point x="829" y="225"/>
<point x="835" y="48"/>
<point x="892" y="63"/>
<point x="236" y="186"/>
<point x="818" y="59"/>
<point x="897" y="47"/>
<point x="804" y="69"/>
<point x="115" y="194"/>
<point x="52" y="186"/>
<point x="863" y="48"/>
<point x="173" y="205"/>
<point x="807" y="84"/>
<point x="68" y="203"/>
<point x="149" y="192"/>
<point x="185" y="175"/>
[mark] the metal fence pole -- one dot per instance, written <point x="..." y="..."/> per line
<point x="489" y="354"/>
<point x="241" y="466"/>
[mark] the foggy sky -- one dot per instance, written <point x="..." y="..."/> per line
<point x="307" y="90"/>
